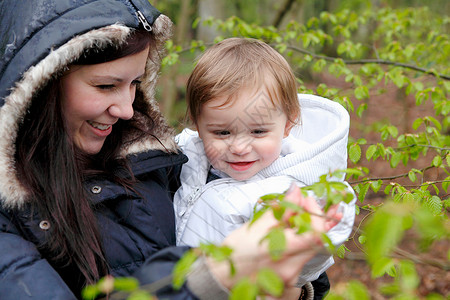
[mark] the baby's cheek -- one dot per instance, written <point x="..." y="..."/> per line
<point x="213" y="153"/>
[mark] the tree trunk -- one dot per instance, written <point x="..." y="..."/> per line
<point x="206" y="9"/>
<point x="168" y="81"/>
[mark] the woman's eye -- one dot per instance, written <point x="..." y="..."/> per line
<point x="136" y="82"/>
<point x="105" y="86"/>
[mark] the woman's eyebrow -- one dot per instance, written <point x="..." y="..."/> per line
<point x="107" y="77"/>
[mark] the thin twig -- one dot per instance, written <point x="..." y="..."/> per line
<point x="370" y="61"/>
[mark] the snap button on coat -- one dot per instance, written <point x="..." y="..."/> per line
<point x="44" y="225"/>
<point x="96" y="189"/>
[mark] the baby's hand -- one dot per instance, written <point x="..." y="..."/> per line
<point x="320" y="221"/>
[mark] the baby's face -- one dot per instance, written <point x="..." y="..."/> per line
<point x="244" y="136"/>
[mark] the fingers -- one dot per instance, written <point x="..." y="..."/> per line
<point x="333" y="217"/>
<point x="309" y="204"/>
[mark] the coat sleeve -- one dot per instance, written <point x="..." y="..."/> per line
<point x="156" y="277"/>
<point x="24" y="274"/>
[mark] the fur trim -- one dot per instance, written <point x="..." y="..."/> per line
<point x="162" y="31"/>
<point x="17" y="102"/>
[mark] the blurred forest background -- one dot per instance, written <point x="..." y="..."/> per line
<point x="387" y="62"/>
<point x="188" y="15"/>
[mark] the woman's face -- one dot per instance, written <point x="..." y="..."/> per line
<point x="95" y="97"/>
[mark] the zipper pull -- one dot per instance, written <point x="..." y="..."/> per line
<point x="143" y="21"/>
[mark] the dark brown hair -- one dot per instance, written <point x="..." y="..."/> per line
<point x="53" y="170"/>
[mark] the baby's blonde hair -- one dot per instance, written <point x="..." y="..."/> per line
<point x="235" y="64"/>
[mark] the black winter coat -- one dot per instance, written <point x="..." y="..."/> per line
<point x="133" y="227"/>
<point x="38" y="40"/>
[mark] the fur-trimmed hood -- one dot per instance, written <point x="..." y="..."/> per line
<point x="40" y="38"/>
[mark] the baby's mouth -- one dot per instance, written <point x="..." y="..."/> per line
<point x="99" y="126"/>
<point x="241" y="166"/>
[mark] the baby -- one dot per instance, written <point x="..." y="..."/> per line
<point x="253" y="139"/>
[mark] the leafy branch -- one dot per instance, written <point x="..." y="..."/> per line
<point x="369" y="61"/>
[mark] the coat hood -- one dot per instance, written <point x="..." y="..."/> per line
<point x="316" y="146"/>
<point x="40" y="38"/>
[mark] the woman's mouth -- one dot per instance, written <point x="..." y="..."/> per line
<point x="99" y="126"/>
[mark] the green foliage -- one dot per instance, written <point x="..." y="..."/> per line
<point x="368" y="51"/>
<point x="376" y="50"/>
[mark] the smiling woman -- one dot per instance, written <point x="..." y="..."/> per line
<point x="94" y="97"/>
<point x="68" y="124"/>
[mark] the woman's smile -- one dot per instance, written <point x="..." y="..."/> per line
<point x="104" y="92"/>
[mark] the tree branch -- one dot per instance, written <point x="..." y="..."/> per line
<point x="371" y="61"/>
<point x="282" y="12"/>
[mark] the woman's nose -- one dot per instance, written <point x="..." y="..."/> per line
<point x="122" y="107"/>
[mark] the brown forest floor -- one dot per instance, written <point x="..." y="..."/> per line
<point x="400" y="111"/>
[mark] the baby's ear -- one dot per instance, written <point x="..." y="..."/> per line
<point x="293" y="120"/>
<point x="288" y="127"/>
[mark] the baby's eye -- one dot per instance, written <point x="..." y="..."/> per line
<point x="259" y="131"/>
<point x="136" y="82"/>
<point x="222" y="133"/>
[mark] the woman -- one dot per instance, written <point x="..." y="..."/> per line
<point x="87" y="162"/>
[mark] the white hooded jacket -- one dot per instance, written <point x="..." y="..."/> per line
<point x="208" y="212"/>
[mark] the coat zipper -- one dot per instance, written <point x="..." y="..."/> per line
<point x="143" y="20"/>
<point x="140" y="16"/>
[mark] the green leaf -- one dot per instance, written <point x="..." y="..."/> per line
<point x="361" y="92"/>
<point x="272" y="196"/>
<point x="361" y="109"/>
<point x="357" y="291"/>
<point x="141" y="295"/>
<point x="371" y="151"/>
<point x="276" y="242"/>
<point x="340" y="252"/>
<point x="302" y="222"/>
<point x="376" y="185"/>
<point x="434" y="204"/>
<point x="408" y="276"/>
<point x="126" y="283"/>
<point x="395" y="159"/>
<point x="429" y="226"/>
<point x="382" y="266"/>
<point x="412" y="176"/>
<point x="327" y="242"/>
<point x="270" y="282"/>
<point x="182" y="268"/>
<point x="393" y="131"/>
<point x="437" y="161"/>
<point x="434" y="296"/>
<point x="363" y="188"/>
<point x="362" y="239"/>
<point x="355" y="153"/>
<point x="90" y="292"/>
<point x="390" y="289"/>
<point x="384" y="230"/>
<point x="244" y="290"/>
<point x="278" y="211"/>
<point x="258" y="213"/>
<point x="399" y="80"/>
<point x="446" y="183"/>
